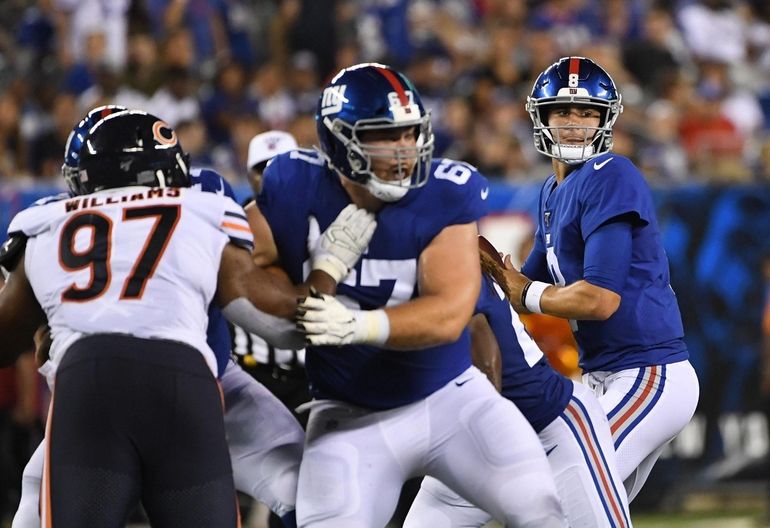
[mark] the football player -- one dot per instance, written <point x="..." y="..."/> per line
<point x="138" y="257"/>
<point x="598" y="261"/>
<point x="395" y="395"/>
<point x="566" y="415"/>
<point x="264" y="440"/>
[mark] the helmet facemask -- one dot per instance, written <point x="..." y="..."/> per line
<point x="361" y="155"/>
<point x="597" y="140"/>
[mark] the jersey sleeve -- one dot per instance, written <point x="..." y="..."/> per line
<point x="32" y="221"/>
<point x="618" y="190"/>
<point x="535" y="267"/>
<point x="457" y="195"/>
<point x="236" y="226"/>
<point x="276" y="188"/>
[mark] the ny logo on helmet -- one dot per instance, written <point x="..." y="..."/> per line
<point x="333" y="99"/>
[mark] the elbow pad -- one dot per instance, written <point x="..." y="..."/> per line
<point x="280" y="333"/>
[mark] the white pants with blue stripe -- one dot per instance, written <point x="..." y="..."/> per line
<point x="646" y="408"/>
<point x="356" y="460"/>
<point x="582" y="460"/>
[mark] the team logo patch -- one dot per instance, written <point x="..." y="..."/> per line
<point x="333" y="99"/>
<point x="164" y="134"/>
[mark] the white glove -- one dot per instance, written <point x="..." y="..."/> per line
<point x="341" y="245"/>
<point x="326" y="321"/>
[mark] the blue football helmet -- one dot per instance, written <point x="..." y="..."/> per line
<point x="574" y="81"/>
<point x="69" y="170"/>
<point x="131" y="148"/>
<point x="368" y="97"/>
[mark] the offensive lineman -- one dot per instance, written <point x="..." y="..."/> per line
<point x="389" y="367"/>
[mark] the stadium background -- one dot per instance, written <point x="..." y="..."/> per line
<point x="696" y="120"/>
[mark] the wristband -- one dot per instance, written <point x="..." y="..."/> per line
<point x="523" y="297"/>
<point x="372" y="327"/>
<point x="531" y="295"/>
<point x="333" y="266"/>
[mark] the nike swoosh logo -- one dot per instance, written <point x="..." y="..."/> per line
<point x="598" y="166"/>
<point x="550" y="450"/>
<point x="463" y="382"/>
<point x="484" y="193"/>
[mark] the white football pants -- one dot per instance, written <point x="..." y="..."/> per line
<point x="646" y="407"/>
<point x="582" y="460"/>
<point x="465" y="434"/>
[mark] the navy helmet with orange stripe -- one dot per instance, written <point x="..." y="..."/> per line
<point x="69" y="169"/>
<point x="131" y="148"/>
<point x="574" y="81"/>
<point x="367" y="97"/>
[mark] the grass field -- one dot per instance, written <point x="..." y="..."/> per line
<point x="741" y="519"/>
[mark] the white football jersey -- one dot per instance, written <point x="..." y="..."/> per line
<point x="136" y="260"/>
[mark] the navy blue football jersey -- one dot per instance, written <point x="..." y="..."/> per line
<point x="300" y="198"/>
<point x="540" y="393"/>
<point x="647" y="327"/>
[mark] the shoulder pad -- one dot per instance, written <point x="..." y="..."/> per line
<point x="50" y="199"/>
<point x="11" y="250"/>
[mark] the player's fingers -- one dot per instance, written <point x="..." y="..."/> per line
<point x="347" y="212"/>
<point x="313" y="316"/>
<point x="312" y="328"/>
<point x="508" y="262"/>
<point x="369" y="231"/>
<point x="312" y="303"/>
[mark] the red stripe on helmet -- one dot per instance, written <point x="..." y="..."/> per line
<point x="393" y="80"/>
<point x="574" y="65"/>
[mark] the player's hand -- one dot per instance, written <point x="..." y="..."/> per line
<point x="512" y="282"/>
<point x="501" y="269"/>
<point x="341" y="245"/>
<point x="326" y="321"/>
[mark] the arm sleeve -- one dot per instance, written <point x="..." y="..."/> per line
<point x="607" y="256"/>
<point x="535" y="267"/>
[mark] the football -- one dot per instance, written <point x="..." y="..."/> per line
<point x="488" y="251"/>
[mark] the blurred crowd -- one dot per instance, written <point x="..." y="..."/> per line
<point x="695" y="75"/>
<point x="695" y="79"/>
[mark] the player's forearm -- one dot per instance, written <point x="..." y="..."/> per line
<point x="426" y="322"/>
<point x="580" y="300"/>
